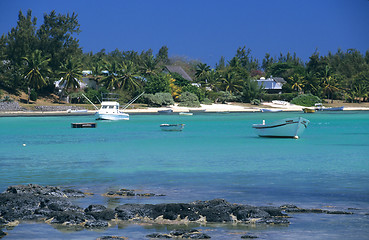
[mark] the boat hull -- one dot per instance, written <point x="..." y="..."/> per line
<point x="270" y="110"/>
<point x="113" y="117"/>
<point x="172" y="127"/>
<point x="285" y="128"/>
<point x="330" y="109"/>
<point x="308" y="110"/>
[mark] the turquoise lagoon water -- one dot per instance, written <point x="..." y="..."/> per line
<point x="216" y="156"/>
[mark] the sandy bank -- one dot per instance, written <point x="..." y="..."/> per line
<point x="214" y="108"/>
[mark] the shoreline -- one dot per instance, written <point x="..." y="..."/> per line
<point x="214" y="108"/>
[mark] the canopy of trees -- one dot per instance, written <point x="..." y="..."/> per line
<point x="34" y="58"/>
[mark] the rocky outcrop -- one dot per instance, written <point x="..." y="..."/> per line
<point x="10" y="106"/>
<point x="129" y="193"/>
<point x="54" y="205"/>
<point x="182" y="234"/>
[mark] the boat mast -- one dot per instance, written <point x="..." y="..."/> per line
<point x="90" y="102"/>
<point x="132" y="101"/>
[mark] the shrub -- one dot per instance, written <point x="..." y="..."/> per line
<point x="284" y="97"/>
<point x="33" y="96"/>
<point x="188" y="99"/>
<point x="158" y="99"/>
<point x="226" y="97"/>
<point x="255" y="102"/>
<point x="306" y="100"/>
<point x="207" y="101"/>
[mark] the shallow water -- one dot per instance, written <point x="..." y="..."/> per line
<point x="216" y="156"/>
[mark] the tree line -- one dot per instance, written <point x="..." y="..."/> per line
<point x="32" y="59"/>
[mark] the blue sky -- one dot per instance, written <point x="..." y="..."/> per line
<point x="206" y="30"/>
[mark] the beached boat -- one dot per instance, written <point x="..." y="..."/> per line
<point x="285" y="128"/>
<point x="197" y="110"/>
<point x="171" y="127"/>
<point x="186" y="113"/>
<point x="110" y="111"/>
<point x="270" y="110"/>
<point x="308" y="110"/>
<point x="166" y="111"/>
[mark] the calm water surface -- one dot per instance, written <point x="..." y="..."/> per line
<point x="216" y="156"/>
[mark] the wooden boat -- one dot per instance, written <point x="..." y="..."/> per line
<point x="166" y="111"/>
<point x="270" y="110"/>
<point x="308" y="110"/>
<point x="172" y="127"/>
<point x="285" y="128"/>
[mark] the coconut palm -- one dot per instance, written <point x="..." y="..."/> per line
<point x="298" y="82"/>
<point x="329" y="83"/>
<point x="202" y="70"/>
<point x="36" y="69"/>
<point x="71" y="73"/>
<point x="128" y="76"/>
<point x="111" y="81"/>
<point x="232" y="83"/>
<point x="149" y="66"/>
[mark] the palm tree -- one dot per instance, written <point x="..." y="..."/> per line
<point x="128" y="77"/>
<point x="329" y="83"/>
<point x="35" y="70"/>
<point x="111" y="81"/>
<point x="298" y="82"/>
<point x="232" y="83"/>
<point x="71" y="72"/>
<point x="149" y="66"/>
<point x="202" y="70"/>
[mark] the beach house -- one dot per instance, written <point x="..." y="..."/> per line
<point x="272" y="84"/>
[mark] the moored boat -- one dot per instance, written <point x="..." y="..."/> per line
<point x="171" y="127"/>
<point x="166" y="111"/>
<point x="284" y="128"/>
<point x="308" y="110"/>
<point x="270" y="110"/>
<point x="110" y="111"/>
<point x="186" y="113"/>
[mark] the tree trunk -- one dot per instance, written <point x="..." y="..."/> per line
<point x="29" y="95"/>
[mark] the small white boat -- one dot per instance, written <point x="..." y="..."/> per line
<point x="110" y="111"/>
<point x="171" y="127"/>
<point x="186" y="113"/>
<point x="285" y="128"/>
<point x="270" y="110"/>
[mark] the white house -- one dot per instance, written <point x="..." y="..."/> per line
<point x="272" y="84"/>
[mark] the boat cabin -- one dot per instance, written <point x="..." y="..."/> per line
<point x="111" y="107"/>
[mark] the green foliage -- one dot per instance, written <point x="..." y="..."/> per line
<point x="188" y="99"/>
<point x="157" y="84"/>
<point x="307" y="100"/>
<point x="251" y="90"/>
<point x="93" y="95"/>
<point x="195" y="90"/>
<point x="284" y="97"/>
<point x="255" y="102"/>
<point x="226" y="97"/>
<point x="158" y="99"/>
<point x="33" y="96"/>
<point x="207" y="101"/>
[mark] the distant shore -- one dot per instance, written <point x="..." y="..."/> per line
<point x="213" y="108"/>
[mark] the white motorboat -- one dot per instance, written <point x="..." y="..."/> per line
<point x="171" y="127"/>
<point x="185" y="113"/>
<point x="285" y="128"/>
<point x="110" y="111"/>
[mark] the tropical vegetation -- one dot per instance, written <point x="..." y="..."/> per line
<point x="34" y="56"/>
